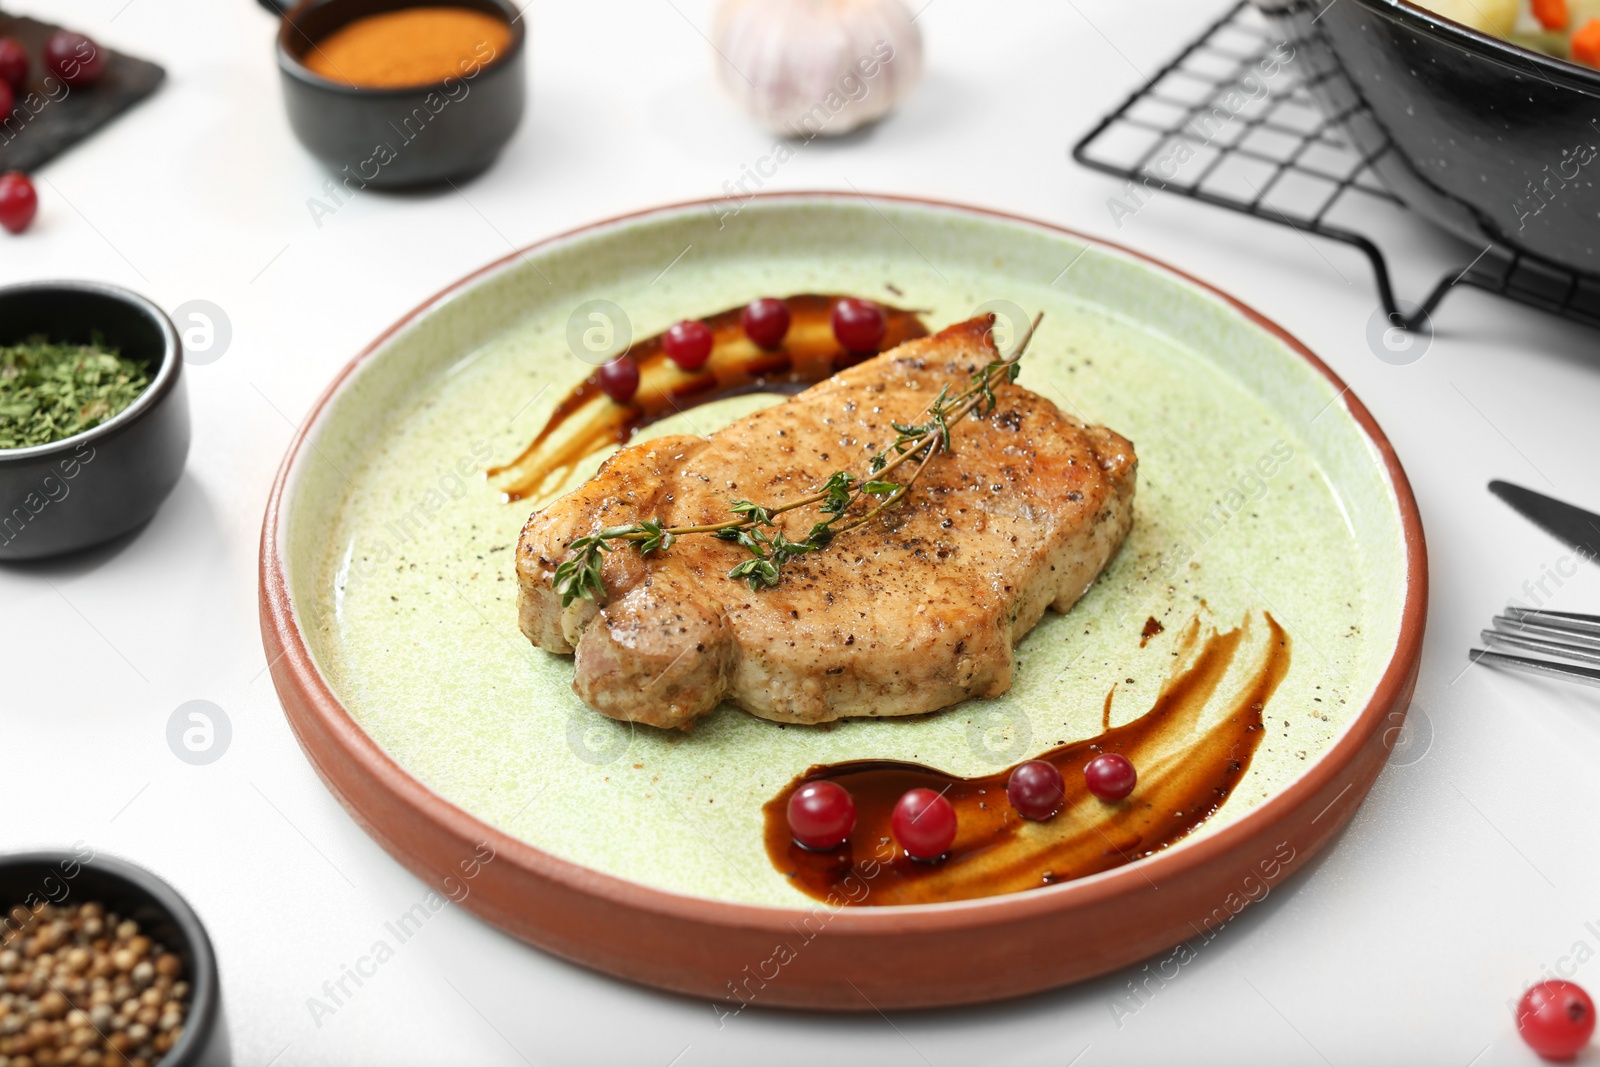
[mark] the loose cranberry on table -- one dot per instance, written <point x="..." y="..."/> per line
<point x="859" y="325"/>
<point x="13" y="63"/>
<point x="620" y="379"/>
<point x="18" y="201"/>
<point x="74" y="58"/>
<point x="766" y="321"/>
<point x="688" y="344"/>
<point x="1110" y="776"/>
<point x="1556" y="1019"/>
<point x="1035" y="789"/>
<point x="924" y="823"/>
<point x="821" y="815"/>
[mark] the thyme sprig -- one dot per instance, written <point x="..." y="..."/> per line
<point x="753" y="528"/>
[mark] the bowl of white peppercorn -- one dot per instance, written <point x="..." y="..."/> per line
<point x="103" y="963"/>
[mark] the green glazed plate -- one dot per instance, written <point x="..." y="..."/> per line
<point x="1258" y="490"/>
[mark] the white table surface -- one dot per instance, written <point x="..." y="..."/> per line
<point x="1466" y="874"/>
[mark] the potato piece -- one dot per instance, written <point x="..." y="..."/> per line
<point x="1579" y="12"/>
<point x="1497" y="17"/>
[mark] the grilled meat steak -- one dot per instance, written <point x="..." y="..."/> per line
<point x="914" y="611"/>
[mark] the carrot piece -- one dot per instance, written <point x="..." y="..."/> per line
<point x="1586" y="44"/>
<point x="1552" y="14"/>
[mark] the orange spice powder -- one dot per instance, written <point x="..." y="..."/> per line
<point x="413" y="46"/>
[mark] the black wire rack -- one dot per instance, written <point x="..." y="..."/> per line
<point x="1282" y="159"/>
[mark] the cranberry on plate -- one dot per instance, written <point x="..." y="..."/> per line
<point x="765" y="321"/>
<point x="18" y="201"/>
<point x="1035" y="789"/>
<point x="1556" y="1019"/>
<point x="13" y="63"/>
<point x="924" y="823"/>
<point x="821" y="815"/>
<point x="859" y="325"/>
<point x="1110" y="776"/>
<point x="620" y="379"/>
<point x="688" y="344"/>
<point x="74" y="58"/>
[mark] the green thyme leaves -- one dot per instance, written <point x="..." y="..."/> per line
<point x="753" y="528"/>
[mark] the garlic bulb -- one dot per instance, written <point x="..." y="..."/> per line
<point x="808" y="68"/>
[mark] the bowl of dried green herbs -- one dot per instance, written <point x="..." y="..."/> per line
<point x="94" y="423"/>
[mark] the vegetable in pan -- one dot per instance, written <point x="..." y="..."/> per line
<point x="1569" y="29"/>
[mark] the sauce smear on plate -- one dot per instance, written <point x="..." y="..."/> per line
<point x="586" y="420"/>
<point x="1186" y="770"/>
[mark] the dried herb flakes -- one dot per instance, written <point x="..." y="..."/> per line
<point x="52" y="391"/>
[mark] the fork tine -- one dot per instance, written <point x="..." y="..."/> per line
<point x="1526" y="627"/>
<point x="1561" y="649"/>
<point x="1570" y="621"/>
<point x="1586" y="675"/>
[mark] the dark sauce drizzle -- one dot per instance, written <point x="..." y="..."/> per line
<point x="809" y="354"/>
<point x="1185" y="774"/>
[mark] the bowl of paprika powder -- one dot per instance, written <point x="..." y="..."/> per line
<point x="392" y="94"/>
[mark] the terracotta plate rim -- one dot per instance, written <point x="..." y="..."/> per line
<point x="281" y="631"/>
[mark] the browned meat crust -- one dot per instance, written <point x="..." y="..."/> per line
<point x="916" y="611"/>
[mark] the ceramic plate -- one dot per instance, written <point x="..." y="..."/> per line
<point x="388" y="603"/>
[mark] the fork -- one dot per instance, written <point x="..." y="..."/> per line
<point x="1560" y="634"/>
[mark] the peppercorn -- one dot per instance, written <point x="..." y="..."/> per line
<point x="80" y="984"/>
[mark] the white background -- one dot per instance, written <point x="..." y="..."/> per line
<point x="1465" y="873"/>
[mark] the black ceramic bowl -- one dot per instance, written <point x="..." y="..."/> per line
<point x="399" y="138"/>
<point x="162" y="915"/>
<point x="101" y="483"/>
<point x="1491" y="140"/>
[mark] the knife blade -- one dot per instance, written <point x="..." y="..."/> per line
<point x="1577" y="528"/>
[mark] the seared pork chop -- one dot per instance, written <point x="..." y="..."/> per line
<point x="915" y="611"/>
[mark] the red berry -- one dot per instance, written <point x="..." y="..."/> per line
<point x="1110" y="776"/>
<point x="765" y="321"/>
<point x="924" y="824"/>
<point x="18" y="201"/>
<point x="821" y="815"/>
<point x="688" y="344"/>
<point x="1035" y="789"/>
<point x="859" y="325"/>
<point x="8" y="100"/>
<point x="74" y="58"/>
<point x="1556" y="1019"/>
<point x="620" y="379"/>
<point x="13" y="63"/>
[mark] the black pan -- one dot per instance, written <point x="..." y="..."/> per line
<point x="1497" y="143"/>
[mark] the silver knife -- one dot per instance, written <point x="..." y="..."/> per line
<point x="1579" y="529"/>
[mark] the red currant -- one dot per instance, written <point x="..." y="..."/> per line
<point x="620" y="379"/>
<point x="765" y="321"/>
<point x="859" y="325"/>
<point x="1035" y="789"/>
<point x="924" y="824"/>
<point x="1556" y="1019"/>
<point x="18" y="201"/>
<point x="688" y="344"/>
<point x="74" y="58"/>
<point x="13" y="63"/>
<point x="1110" y="776"/>
<point x="821" y="815"/>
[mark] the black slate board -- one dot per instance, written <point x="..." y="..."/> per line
<point x="46" y="123"/>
